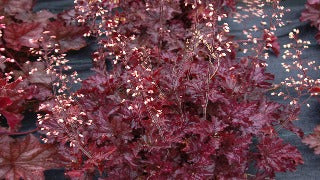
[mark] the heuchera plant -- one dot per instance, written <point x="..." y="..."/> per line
<point x="311" y="14"/>
<point x="23" y="30"/>
<point x="26" y="80"/>
<point x="171" y="97"/>
<point x="174" y="95"/>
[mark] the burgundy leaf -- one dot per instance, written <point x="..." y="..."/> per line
<point x="42" y="17"/>
<point x="4" y="102"/>
<point x="13" y="119"/>
<point x="68" y="16"/>
<point x="275" y="156"/>
<point x="313" y="140"/>
<point x="26" y="158"/>
<point x="311" y="13"/>
<point x="272" y="42"/>
<point x="13" y="7"/>
<point x="313" y="1"/>
<point x="22" y="35"/>
<point x="318" y="37"/>
<point x="39" y="76"/>
<point x="69" y="37"/>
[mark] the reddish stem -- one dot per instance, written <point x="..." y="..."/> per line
<point x="19" y="133"/>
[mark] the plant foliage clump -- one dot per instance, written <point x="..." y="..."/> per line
<point x="171" y="97"/>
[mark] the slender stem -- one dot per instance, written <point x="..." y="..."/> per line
<point x="20" y="133"/>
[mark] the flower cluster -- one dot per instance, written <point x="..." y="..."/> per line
<point x="302" y="84"/>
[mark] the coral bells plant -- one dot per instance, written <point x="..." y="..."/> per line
<point x="23" y="33"/>
<point x="171" y="97"/>
<point x="30" y="59"/>
<point x="299" y="89"/>
<point x="311" y="14"/>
